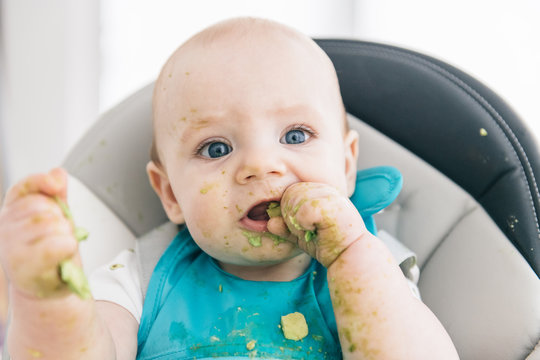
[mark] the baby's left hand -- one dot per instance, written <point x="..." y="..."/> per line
<point x="322" y="222"/>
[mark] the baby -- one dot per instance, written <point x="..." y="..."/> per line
<point x="248" y="120"/>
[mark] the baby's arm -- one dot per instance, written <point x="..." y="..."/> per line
<point x="376" y="313"/>
<point x="49" y="321"/>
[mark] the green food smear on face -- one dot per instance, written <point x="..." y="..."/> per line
<point x="253" y="238"/>
<point x="277" y="239"/>
<point x="75" y="279"/>
<point x="273" y="209"/>
<point x="310" y="235"/>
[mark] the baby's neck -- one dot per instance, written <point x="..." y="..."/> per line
<point x="285" y="271"/>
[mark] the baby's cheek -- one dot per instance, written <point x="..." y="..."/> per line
<point x="209" y="213"/>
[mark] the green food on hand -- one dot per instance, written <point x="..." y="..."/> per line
<point x="65" y="209"/>
<point x="80" y="233"/>
<point x="310" y="235"/>
<point x="295" y="223"/>
<point x="71" y="274"/>
<point x="75" y="279"/>
<point x="273" y="209"/>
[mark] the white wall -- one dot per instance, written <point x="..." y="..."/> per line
<point x="50" y="84"/>
<point x="496" y="41"/>
<point x="137" y="36"/>
<point x="67" y="60"/>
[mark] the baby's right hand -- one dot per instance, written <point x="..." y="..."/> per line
<point x="319" y="220"/>
<point x="35" y="235"/>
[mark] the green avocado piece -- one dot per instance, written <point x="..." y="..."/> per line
<point x="65" y="209"/>
<point x="273" y="209"/>
<point x="80" y="233"/>
<point x="294" y="326"/>
<point x="310" y="235"/>
<point x="75" y="279"/>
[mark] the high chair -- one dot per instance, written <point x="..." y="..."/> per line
<point x="469" y="206"/>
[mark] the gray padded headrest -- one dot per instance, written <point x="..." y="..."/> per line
<point x="100" y="162"/>
<point x="454" y="123"/>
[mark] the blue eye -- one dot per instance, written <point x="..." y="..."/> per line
<point x="295" y="136"/>
<point x="215" y="150"/>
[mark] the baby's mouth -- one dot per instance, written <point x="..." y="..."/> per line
<point x="257" y="217"/>
<point x="258" y="212"/>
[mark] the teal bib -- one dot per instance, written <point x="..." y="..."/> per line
<point x="195" y="310"/>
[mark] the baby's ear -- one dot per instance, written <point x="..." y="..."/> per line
<point x="351" y="157"/>
<point x="162" y="186"/>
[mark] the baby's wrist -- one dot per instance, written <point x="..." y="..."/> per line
<point x="66" y="279"/>
<point x="39" y="323"/>
<point x="329" y="256"/>
<point x="36" y="294"/>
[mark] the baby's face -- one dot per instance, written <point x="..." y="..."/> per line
<point x="240" y="125"/>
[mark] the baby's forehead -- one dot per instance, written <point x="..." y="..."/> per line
<point x="234" y="43"/>
<point x="241" y="38"/>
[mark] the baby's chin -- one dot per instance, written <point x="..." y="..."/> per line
<point x="245" y="253"/>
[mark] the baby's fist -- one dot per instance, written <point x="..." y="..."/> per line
<point x="35" y="235"/>
<point x="324" y="222"/>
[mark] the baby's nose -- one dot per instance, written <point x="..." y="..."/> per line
<point x="258" y="166"/>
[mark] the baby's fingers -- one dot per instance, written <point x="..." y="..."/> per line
<point x="305" y="207"/>
<point x="324" y="221"/>
<point x="53" y="183"/>
<point x="34" y="268"/>
<point x="277" y="226"/>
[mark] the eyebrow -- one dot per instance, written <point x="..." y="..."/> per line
<point x="295" y="110"/>
<point x="198" y="124"/>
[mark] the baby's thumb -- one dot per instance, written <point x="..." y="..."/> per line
<point x="55" y="183"/>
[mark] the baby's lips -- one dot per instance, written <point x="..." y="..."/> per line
<point x="253" y="225"/>
<point x="257" y="217"/>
